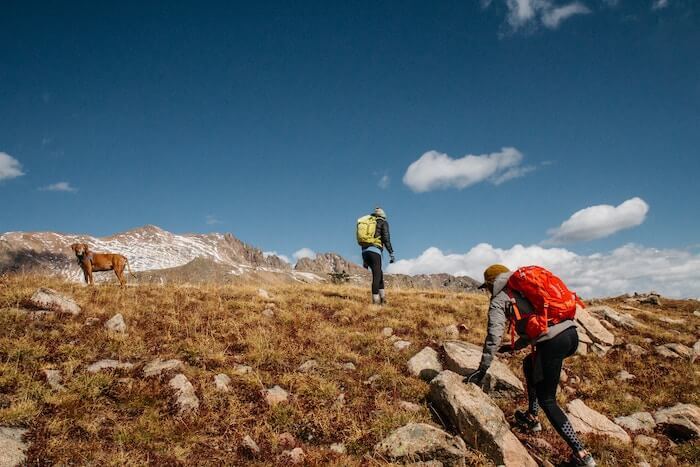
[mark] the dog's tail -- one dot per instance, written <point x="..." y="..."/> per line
<point x="128" y="267"/>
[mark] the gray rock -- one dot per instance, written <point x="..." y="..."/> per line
<point x="593" y="328"/>
<point x="264" y="294"/>
<point x="696" y="352"/>
<point x="268" y="313"/>
<point x="241" y="370"/>
<point x="600" y="349"/>
<point x="582" y="336"/>
<point x="156" y="366"/>
<point x="250" y="445"/>
<point x="401" y="345"/>
<point x="295" y="456"/>
<point x="308" y="366"/>
<point x="582" y="349"/>
<point x="641" y="421"/>
<point x="664" y="351"/>
<point x="422" y="442"/>
<point x="49" y="299"/>
<point x="425" y="364"/>
<point x="587" y="420"/>
<point x="682" y="350"/>
<point x="12" y="448"/>
<point x="108" y="364"/>
<point x="275" y="395"/>
<point x="682" y="421"/>
<point x="338" y="448"/>
<point x="222" y="382"/>
<point x="372" y="379"/>
<point x="616" y="317"/>
<point x="116" y="323"/>
<point x="54" y="379"/>
<point x="387" y="332"/>
<point x="624" y="376"/>
<point x="646" y="441"/>
<point x="187" y="400"/>
<point x="464" y="358"/>
<point x="477" y="419"/>
<point x="409" y="406"/>
<point x="452" y="332"/>
<point x="669" y="320"/>
<point x="348" y="366"/>
<point x="696" y="313"/>
<point x="635" y="349"/>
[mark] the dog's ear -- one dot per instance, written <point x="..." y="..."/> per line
<point x="74" y="247"/>
<point x="87" y="247"/>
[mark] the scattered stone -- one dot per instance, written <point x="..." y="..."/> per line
<point x="641" y="421"/>
<point x="651" y="299"/>
<point x="240" y="370"/>
<point x="116" y="323"/>
<point x="587" y="420"/>
<point x="295" y="456"/>
<point x="624" y="376"/>
<point x="108" y="364"/>
<point x="264" y="294"/>
<point x="338" y="448"/>
<point x="53" y="378"/>
<point x="250" y="445"/>
<point x="635" y="349"/>
<point x="286" y="440"/>
<point x="157" y="366"/>
<point x="669" y="320"/>
<point x="697" y="313"/>
<point x="616" y="317"/>
<point x="12" y="448"/>
<point x="582" y="349"/>
<point x="401" y="345"/>
<point x="91" y="321"/>
<point x="425" y="364"/>
<point x="464" y="358"/>
<point x="372" y="379"/>
<point x="452" y="332"/>
<point x="624" y="306"/>
<point x="349" y="366"/>
<point x="275" y="395"/>
<point x="682" y="421"/>
<point x="48" y="299"/>
<point x="409" y="406"/>
<point x="582" y="336"/>
<point x="696" y="352"/>
<point x="593" y="328"/>
<point x="608" y="325"/>
<point x="187" y="400"/>
<point x="682" y="350"/>
<point x="222" y="382"/>
<point x="268" y="313"/>
<point x="422" y="442"/>
<point x="340" y="400"/>
<point x="387" y="332"/>
<point x="646" y="441"/>
<point x="477" y="419"/>
<point x="600" y="349"/>
<point x="664" y="351"/>
<point x="307" y="366"/>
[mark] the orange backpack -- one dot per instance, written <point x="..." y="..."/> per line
<point x="551" y="300"/>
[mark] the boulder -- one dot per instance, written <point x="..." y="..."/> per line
<point x="422" y="442"/>
<point x="307" y="366"/>
<point x="250" y="445"/>
<point x="464" y="358"/>
<point x="49" y="299"/>
<point x="12" y="448"/>
<point x="646" y="441"/>
<point x="275" y="395"/>
<point x="669" y="320"/>
<point x="635" y="349"/>
<point x="615" y="317"/>
<point x="401" y="345"/>
<point x="477" y="419"/>
<point x="582" y="336"/>
<point x="222" y="382"/>
<point x="664" y="351"/>
<point x="295" y="456"/>
<point x="593" y="328"/>
<point x="587" y="420"/>
<point x="54" y="378"/>
<point x="425" y="364"/>
<point x="108" y="364"/>
<point x="156" y="366"/>
<point x="187" y="401"/>
<point x="116" y="323"/>
<point x="641" y="421"/>
<point x="682" y="350"/>
<point x="682" y="421"/>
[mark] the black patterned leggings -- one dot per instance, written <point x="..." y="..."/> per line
<point x="543" y="379"/>
<point x="374" y="261"/>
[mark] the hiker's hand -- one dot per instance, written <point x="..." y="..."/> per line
<point x="392" y="258"/>
<point x="365" y="265"/>
<point x="476" y="377"/>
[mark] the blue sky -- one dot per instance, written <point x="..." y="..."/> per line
<point x="277" y="122"/>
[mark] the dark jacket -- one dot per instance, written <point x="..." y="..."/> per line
<point x="383" y="234"/>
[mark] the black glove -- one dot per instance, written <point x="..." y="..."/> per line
<point x="392" y="258"/>
<point x="476" y="377"/>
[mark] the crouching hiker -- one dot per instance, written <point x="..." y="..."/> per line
<point x="541" y="310"/>
<point x="373" y="236"/>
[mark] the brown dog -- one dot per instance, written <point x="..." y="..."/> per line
<point x="91" y="262"/>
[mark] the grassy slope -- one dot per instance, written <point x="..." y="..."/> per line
<point x="121" y="418"/>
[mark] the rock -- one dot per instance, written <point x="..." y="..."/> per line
<point x="452" y="332"/>
<point x="409" y="406"/>
<point x="187" y="400"/>
<point x="582" y="349"/>
<point x="682" y="421"/>
<point x="307" y="366"/>
<point x="696" y="352"/>
<point x="116" y="323"/>
<point x="264" y="294"/>
<point x="670" y="320"/>
<point x="563" y="377"/>
<point x="634" y="349"/>
<point x="616" y="317"/>
<point x="295" y="456"/>
<point x="286" y="440"/>
<point x="387" y="332"/>
<point x="108" y="364"/>
<point x="587" y="420"/>
<point x="92" y="321"/>
<point x="401" y="345"/>
<point x="682" y="350"/>
<point x="371" y="380"/>
<point x="477" y="419"/>
<point x="157" y="366"/>
<point x="641" y="421"/>
<point x="664" y="351"/>
<point x="697" y="313"/>
<point x="53" y="378"/>
<point x="222" y="382"/>
<point x="275" y="395"/>
<point x="422" y="442"/>
<point x="425" y="364"/>
<point x="582" y="336"/>
<point x="268" y="313"/>
<point x="464" y="358"/>
<point x="600" y="349"/>
<point x="250" y="445"/>
<point x="241" y="370"/>
<point x="12" y="448"/>
<point x="348" y="366"/>
<point x="624" y="376"/>
<point x="338" y="448"/>
<point x="593" y="328"/>
<point x="49" y="299"/>
<point x="651" y="299"/>
<point x="646" y="441"/>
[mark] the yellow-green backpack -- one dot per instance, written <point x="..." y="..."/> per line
<point x="366" y="231"/>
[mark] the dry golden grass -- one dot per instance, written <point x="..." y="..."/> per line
<point x="120" y="418"/>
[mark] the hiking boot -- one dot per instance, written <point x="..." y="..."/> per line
<point x="586" y="461"/>
<point x="527" y="422"/>
<point x="376" y="299"/>
<point x="382" y="296"/>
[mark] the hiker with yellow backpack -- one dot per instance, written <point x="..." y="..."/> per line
<point x="373" y="236"/>
<point x="538" y="307"/>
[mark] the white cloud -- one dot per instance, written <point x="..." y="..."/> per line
<point x="59" y="186"/>
<point x="9" y="167"/>
<point x="552" y="18"/>
<point x="284" y="258"/>
<point x="304" y="253"/>
<point x="659" y="4"/>
<point x="435" y="170"/>
<point x="630" y="268"/>
<point x="384" y="182"/>
<point x="533" y="13"/>
<point x="600" y="221"/>
<point x="212" y="220"/>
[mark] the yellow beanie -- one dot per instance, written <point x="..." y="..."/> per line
<point x="492" y="272"/>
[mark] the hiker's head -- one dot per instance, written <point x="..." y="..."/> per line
<point x="490" y="275"/>
<point x="379" y="212"/>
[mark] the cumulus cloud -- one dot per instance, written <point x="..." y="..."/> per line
<point x="304" y="253"/>
<point x="552" y="18"/>
<point x="9" y="167"/>
<point x="533" y="13"/>
<point x="659" y="4"/>
<point x="600" y="221"/>
<point x="284" y="258"/>
<point x="671" y="272"/>
<point x="384" y="182"/>
<point x="59" y="186"/>
<point x="435" y="170"/>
